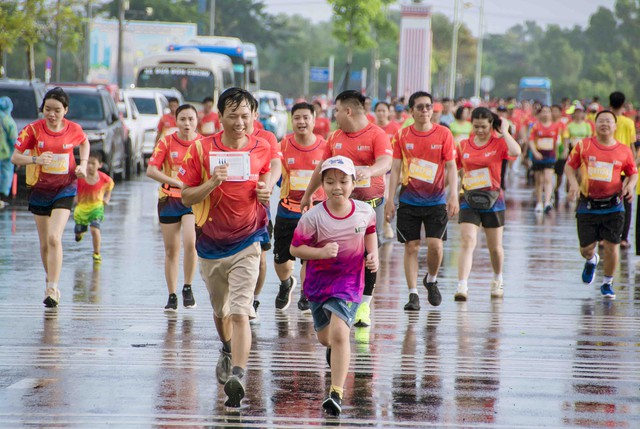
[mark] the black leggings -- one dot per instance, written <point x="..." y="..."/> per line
<point x="627" y="220"/>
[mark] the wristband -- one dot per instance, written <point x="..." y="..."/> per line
<point x="34" y="159"/>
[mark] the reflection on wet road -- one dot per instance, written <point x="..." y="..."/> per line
<point x="550" y="354"/>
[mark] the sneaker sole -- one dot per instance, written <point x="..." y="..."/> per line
<point x="460" y="297"/>
<point x="170" y="310"/>
<point x="235" y="392"/>
<point x="411" y="308"/>
<point x="609" y="297"/>
<point x="191" y="306"/>
<point x="361" y="324"/>
<point x="306" y="312"/>
<point x="50" y="302"/>
<point x="331" y="407"/>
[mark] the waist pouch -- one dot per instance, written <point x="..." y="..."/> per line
<point x="603" y="203"/>
<point x="481" y="200"/>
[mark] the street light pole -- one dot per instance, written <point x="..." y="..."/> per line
<point x="212" y="17"/>
<point x="120" y="41"/>
<point x="454" y="49"/>
<point x="476" y="90"/>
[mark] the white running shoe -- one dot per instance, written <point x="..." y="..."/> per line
<point x="496" y="289"/>
<point x="461" y="294"/>
<point x="539" y="208"/>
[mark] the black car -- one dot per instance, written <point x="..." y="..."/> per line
<point x="96" y="112"/>
<point x="26" y="96"/>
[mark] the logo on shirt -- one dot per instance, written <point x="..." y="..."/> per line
<point x="592" y="159"/>
<point x="364" y="147"/>
<point x="315" y="162"/>
<point x="616" y="162"/>
<point x="409" y="146"/>
<point x="67" y="146"/>
<point x="40" y="145"/>
<point x="182" y="171"/>
<point x="465" y="155"/>
<point x="291" y="160"/>
<point x="436" y="146"/>
<point x="488" y="154"/>
<point x="338" y="145"/>
<point x="174" y="154"/>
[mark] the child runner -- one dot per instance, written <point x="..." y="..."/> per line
<point x="174" y="216"/>
<point x="333" y="237"/>
<point x="94" y="192"/>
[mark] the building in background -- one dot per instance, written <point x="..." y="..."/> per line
<point x="414" y="60"/>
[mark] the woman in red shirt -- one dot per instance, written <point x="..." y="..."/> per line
<point x="51" y="178"/>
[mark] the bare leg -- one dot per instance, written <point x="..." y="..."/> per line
<point x="171" y="238"/>
<point x="411" y="249"/>
<point x="468" y="239"/>
<point x="496" y="251"/>
<point x="96" y="239"/>
<point x="189" y="244"/>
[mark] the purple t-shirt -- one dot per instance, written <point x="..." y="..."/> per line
<point x="343" y="276"/>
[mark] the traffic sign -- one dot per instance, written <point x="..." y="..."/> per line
<point x="319" y="74"/>
<point x="356" y="75"/>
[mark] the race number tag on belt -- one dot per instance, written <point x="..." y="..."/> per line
<point x="299" y="179"/>
<point x="238" y="164"/>
<point x="423" y="170"/>
<point x="477" y="179"/>
<point x="545" y="144"/>
<point x="208" y="128"/>
<point x="59" y="164"/>
<point x="362" y="183"/>
<point x="600" y="171"/>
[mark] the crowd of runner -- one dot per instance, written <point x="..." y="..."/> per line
<point x="417" y="165"/>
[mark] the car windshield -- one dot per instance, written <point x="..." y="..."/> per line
<point x="146" y="106"/>
<point x="85" y="107"/>
<point x="192" y="83"/>
<point x="24" y="102"/>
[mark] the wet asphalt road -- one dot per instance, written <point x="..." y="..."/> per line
<point x="551" y="354"/>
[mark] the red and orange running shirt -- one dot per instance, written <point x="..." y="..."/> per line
<point x="90" y="205"/>
<point x="271" y="139"/>
<point x="423" y="156"/>
<point x="363" y="148"/>
<point x="209" y="123"/>
<point x="167" y="156"/>
<point x="38" y="138"/>
<point x="298" y="164"/>
<point x="167" y="125"/>
<point x="391" y="129"/>
<point x="546" y="139"/>
<point x="231" y="218"/>
<point x="322" y="127"/>
<point x="482" y="167"/>
<point x="600" y="169"/>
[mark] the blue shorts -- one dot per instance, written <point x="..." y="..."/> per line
<point x="171" y="210"/>
<point x="321" y="312"/>
<point x="81" y="229"/>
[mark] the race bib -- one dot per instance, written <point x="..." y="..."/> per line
<point x="423" y="170"/>
<point x="238" y="163"/>
<point x="299" y="179"/>
<point x="208" y="128"/>
<point x="546" y="143"/>
<point x="59" y="164"/>
<point x="362" y="183"/>
<point x="600" y="171"/>
<point x="477" y="179"/>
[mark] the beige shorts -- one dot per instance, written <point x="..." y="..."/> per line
<point x="231" y="281"/>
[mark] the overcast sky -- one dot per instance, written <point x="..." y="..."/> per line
<point x="499" y="14"/>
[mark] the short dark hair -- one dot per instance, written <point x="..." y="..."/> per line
<point x="172" y="100"/>
<point x="446" y="99"/>
<point x="418" y="94"/>
<point x="606" y="111"/>
<point x="58" y="94"/>
<point x="351" y="96"/>
<point x="96" y="154"/>
<point x="302" y="106"/>
<point x="186" y="107"/>
<point x="556" y="106"/>
<point x="207" y="100"/>
<point x="459" y="111"/>
<point x="233" y="97"/>
<point x="382" y="103"/>
<point x="484" y="113"/>
<point x="616" y="99"/>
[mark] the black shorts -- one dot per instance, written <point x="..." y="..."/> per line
<point x="266" y="245"/>
<point x="282" y="237"/>
<point x="541" y="166"/>
<point x="486" y="219"/>
<point x="559" y="166"/>
<point x="411" y="218"/>
<point x="171" y="210"/>
<point x="61" y="203"/>
<point x="596" y="227"/>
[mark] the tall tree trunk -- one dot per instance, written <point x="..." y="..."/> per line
<point x="3" y="72"/>
<point x="31" y="65"/>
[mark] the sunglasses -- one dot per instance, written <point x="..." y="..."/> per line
<point x="421" y="107"/>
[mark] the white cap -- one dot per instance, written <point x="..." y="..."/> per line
<point x="341" y="163"/>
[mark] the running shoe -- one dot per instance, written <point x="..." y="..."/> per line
<point x="97" y="257"/>
<point x="333" y="404"/>
<point x="361" y="335"/>
<point x="589" y="271"/>
<point x="461" y="294"/>
<point x="548" y="208"/>
<point x="303" y="304"/>
<point x="256" y="319"/>
<point x="188" y="300"/>
<point x="363" y="315"/>
<point x="223" y="367"/>
<point x="51" y="297"/>
<point x="433" y="294"/>
<point x="79" y="237"/>
<point x="283" y="299"/>
<point x="607" y="291"/>
<point x="413" y="304"/>
<point x="172" y="304"/>
<point x="388" y="231"/>
<point x="234" y="389"/>
<point x="539" y="208"/>
<point x="497" y="290"/>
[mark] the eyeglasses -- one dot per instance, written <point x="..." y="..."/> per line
<point x="421" y="107"/>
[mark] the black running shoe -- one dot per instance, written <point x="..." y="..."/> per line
<point x="303" y="304"/>
<point x="223" y="367"/>
<point x="188" y="299"/>
<point x="284" y="295"/>
<point x="333" y="404"/>
<point x="172" y="303"/>
<point x="413" y="304"/>
<point x="234" y="389"/>
<point x="433" y="294"/>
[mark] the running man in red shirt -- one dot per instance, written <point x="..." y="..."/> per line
<point x="51" y="176"/>
<point x="208" y="121"/>
<point x="543" y="143"/>
<point x="323" y="124"/>
<point x="368" y="146"/>
<point x="600" y="211"/>
<point x="368" y="102"/>
<point x="167" y="124"/>
<point x="424" y="153"/>
<point x="301" y="152"/>
<point x="225" y="180"/>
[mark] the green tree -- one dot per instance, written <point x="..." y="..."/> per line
<point x="10" y="25"/>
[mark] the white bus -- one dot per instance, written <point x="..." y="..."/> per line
<point x="195" y="74"/>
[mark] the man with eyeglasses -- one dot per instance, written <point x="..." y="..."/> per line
<point x="368" y="146"/>
<point x="424" y="153"/>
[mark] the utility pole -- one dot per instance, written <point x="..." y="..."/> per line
<point x="58" y="42"/>
<point x="476" y="89"/>
<point x="212" y="17"/>
<point x="121" y="7"/>
<point x="454" y="49"/>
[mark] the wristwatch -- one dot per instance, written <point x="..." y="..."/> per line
<point x="34" y="159"/>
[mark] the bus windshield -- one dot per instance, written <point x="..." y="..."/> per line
<point x="192" y="83"/>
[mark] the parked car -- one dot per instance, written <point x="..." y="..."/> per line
<point x="273" y="112"/>
<point x="151" y="105"/>
<point x="95" y="110"/>
<point x="26" y="97"/>
<point x="135" y="129"/>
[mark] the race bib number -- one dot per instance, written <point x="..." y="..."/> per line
<point x="477" y="179"/>
<point x="545" y="143"/>
<point x="600" y="171"/>
<point x="238" y="163"/>
<point x="208" y="128"/>
<point x="423" y="170"/>
<point x="299" y="179"/>
<point x="362" y="183"/>
<point x="59" y="164"/>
